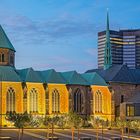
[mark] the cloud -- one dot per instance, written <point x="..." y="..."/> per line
<point x="60" y="59"/>
<point x="58" y="62"/>
<point x="92" y="51"/>
<point x="28" y="34"/>
<point x="22" y="28"/>
<point x="70" y="29"/>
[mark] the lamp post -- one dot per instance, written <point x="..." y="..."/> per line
<point x="102" y="129"/>
<point x="72" y="133"/>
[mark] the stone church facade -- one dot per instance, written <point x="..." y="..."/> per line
<point x="49" y="92"/>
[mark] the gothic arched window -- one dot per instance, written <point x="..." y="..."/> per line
<point x="10" y="100"/>
<point x="33" y="100"/>
<point x="98" y="101"/>
<point x="55" y="101"/>
<point x="78" y="101"/>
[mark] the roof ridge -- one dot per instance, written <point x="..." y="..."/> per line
<point x="71" y="75"/>
<point x="78" y="74"/>
<point x="118" y="71"/>
<point x="129" y="76"/>
<point x="28" y="70"/>
<point x="94" y="78"/>
<point x="133" y="76"/>
<point x="50" y="73"/>
<point x="48" y="70"/>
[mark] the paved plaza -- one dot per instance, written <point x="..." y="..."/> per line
<point x="41" y="134"/>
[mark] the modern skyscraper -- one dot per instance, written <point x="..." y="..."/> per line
<point x="124" y="44"/>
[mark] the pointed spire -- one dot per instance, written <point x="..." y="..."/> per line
<point x="107" y="27"/>
<point x="107" y="53"/>
<point x="4" y="40"/>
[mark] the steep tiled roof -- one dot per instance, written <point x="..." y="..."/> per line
<point x="136" y="75"/>
<point x="51" y="76"/>
<point x="8" y="73"/>
<point x="74" y="78"/>
<point x="94" y="79"/>
<point x="116" y="73"/>
<point x="4" y="41"/>
<point x="29" y="75"/>
<point x="124" y="75"/>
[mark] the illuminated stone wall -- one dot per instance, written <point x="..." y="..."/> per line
<point x="22" y="96"/>
<point x="18" y="97"/>
<point x="41" y="96"/>
<point x="61" y="88"/>
<point x="106" y="113"/>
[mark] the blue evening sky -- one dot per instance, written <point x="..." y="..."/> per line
<point x="62" y="34"/>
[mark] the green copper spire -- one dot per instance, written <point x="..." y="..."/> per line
<point x="4" y="40"/>
<point x="107" y="54"/>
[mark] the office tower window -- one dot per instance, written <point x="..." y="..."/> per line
<point x="125" y="47"/>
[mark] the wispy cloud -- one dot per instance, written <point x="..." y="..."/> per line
<point x="21" y="28"/>
<point x="92" y="51"/>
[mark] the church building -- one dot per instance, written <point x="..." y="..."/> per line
<point x="49" y="92"/>
<point x="107" y="94"/>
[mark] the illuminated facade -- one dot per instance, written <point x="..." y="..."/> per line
<point x="49" y="92"/>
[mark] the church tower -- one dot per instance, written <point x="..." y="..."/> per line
<point x="107" y="53"/>
<point x="7" y="51"/>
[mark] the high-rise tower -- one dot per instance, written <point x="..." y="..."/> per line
<point x="118" y="47"/>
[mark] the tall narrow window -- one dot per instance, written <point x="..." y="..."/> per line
<point x="2" y="57"/>
<point x="130" y="110"/>
<point x="10" y="100"/>
<point x="78" y="99"/>
<point x="33" y="101"/>
<point x="98" y="101"/>
<point x="55" y="101"/>
<point x="122" y="98"/>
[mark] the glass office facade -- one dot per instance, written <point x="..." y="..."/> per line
<point x="125" y="47"/>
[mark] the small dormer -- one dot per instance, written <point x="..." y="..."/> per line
<point x="7" y="51"/>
